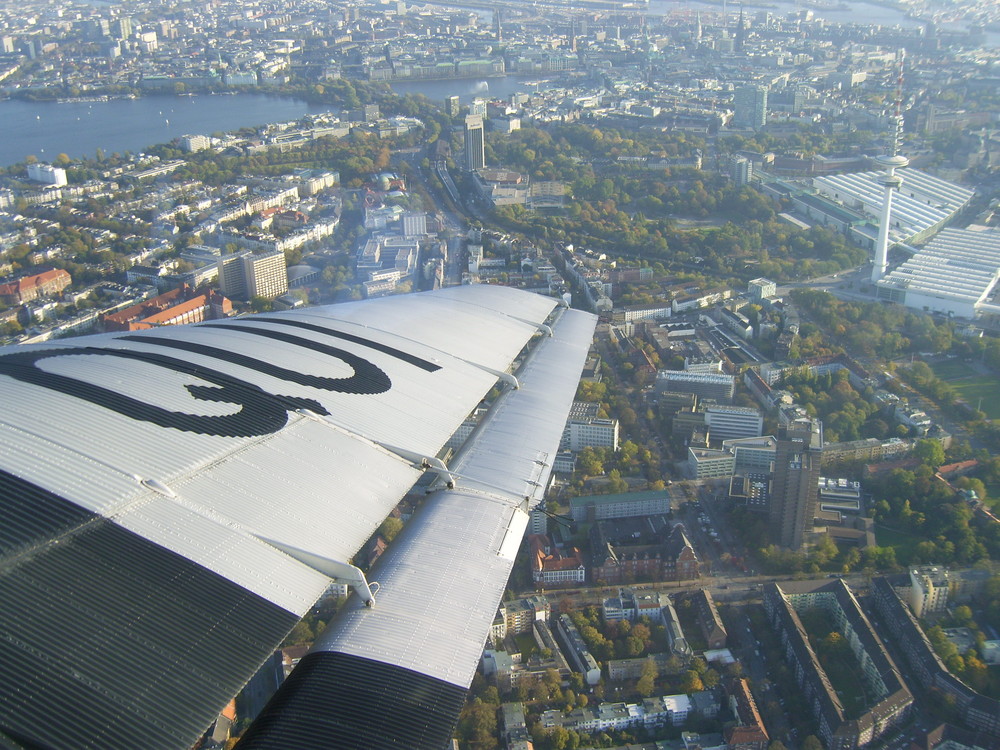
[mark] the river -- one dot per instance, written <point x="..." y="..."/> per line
<point x="79" y="128"/>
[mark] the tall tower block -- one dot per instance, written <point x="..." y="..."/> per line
<point x="795" y="487"/>
<point x="890" y="181"/>
<point x="475" y="143"/>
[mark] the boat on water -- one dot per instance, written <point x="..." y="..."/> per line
<point x="82" y="99"/>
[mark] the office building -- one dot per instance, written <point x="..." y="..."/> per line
<point x="475" y="144"/>
<point x="741" y="170"/>
<point x="478" y="107"/>
<point x="796" y="481"/>
<point x="595" y="433"/>
<point x="414" y="223"/>
<point x="192" y="143"/>
<point x="705" y="463"/>
<point x="761" y="289"/>
<point x="703" y="384"/>
<point x="47" y="174"/>
<point x="754" y="455"/>
<point x="121" y="28"/>
<point x="928" y="590"/>
<point x="730" y="422"/>
<point x="626" y="505"/>
<point x="452" y="106"/>
<point x="246" y="275"/>
<point x="750" y="105"/>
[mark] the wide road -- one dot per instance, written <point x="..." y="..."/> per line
<point x="454" y="225"/>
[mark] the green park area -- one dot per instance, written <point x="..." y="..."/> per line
<point x="979" y="391"/>
<point x="904" y="543"/>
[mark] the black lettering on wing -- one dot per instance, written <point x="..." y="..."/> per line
<point x="260" y="412"/>
<point x="367" y="377"/>
<point x="392" y="351"/>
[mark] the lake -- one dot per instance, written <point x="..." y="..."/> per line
<point x="46" y="129"/>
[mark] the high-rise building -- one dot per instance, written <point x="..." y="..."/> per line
<point x="478" y="106"/>
<point x="192" y="143"/>
<point x="46" y="173"/>
<point x="796" y="481"/>
<point x="452" y="105"/>
<point x="121" y="28"/>
<point x="729" y="422"/>
<point x="475" y="143"/>
<point x="741" y="170"/>
<point x="247" y="275"/>
<point x="750" y="107"/>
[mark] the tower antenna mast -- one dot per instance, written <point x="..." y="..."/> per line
<point x="890" y="180"/>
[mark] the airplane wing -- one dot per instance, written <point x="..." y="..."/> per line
<point x="175" y="500"/>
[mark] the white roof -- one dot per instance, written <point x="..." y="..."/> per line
<point x="921" y="202"/>
<point x="959" y="265"/>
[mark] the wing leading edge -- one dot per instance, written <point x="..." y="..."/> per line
<point x="152" y="485"/>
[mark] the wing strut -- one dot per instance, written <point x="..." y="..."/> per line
<point x="340" y="572"/>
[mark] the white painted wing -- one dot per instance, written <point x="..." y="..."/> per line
<point x="396" y="675"/>
<point x="149" y="482"/>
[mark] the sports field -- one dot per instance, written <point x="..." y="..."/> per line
<point x="971" y="386"/>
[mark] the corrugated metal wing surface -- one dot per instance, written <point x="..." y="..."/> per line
<point x="394" y="676"/>
<point x="195" y="447"/>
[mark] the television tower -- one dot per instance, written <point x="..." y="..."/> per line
<point x="890" y="180"/>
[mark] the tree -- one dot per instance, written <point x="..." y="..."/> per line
<point x="647" y="678"/>
<point x="478" y="725"/>
<point x="692" y="682"/>
<point x="963" y="615"/>
<point x="929" y="452"/>
<point x="557" y="738"/>
<point x="390" y="527"/>
<point x="261" y="304"/>
<point x="589" y="463"/>
<point x="552" y="679"/>
<point x="300" y="635"/>
<point x="812" y="742"/>
<point x="617" y="484"/>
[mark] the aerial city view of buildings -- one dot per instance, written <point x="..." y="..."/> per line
<point x="772" y="521"/>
